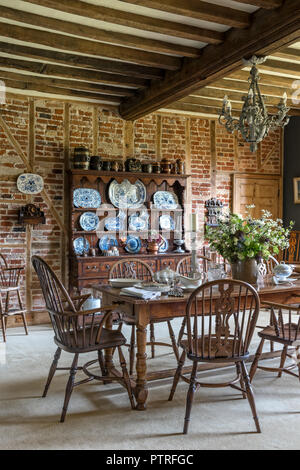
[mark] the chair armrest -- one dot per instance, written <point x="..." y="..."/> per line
<point x="109" y="308"/>
<point x="282" y="306"/>
<point x="81" y="299"/>
<point x="15" y="268"/>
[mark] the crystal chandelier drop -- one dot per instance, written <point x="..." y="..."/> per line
<point x="254" y="123"/>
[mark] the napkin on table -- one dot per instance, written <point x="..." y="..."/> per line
<point x="140" y="293"/>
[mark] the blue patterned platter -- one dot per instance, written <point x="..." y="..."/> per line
<point x="86" y="198"/>
<point x="89" y="221"/>
<point x="126" y="195"/>
<point x="107" y="242"/>
<point x="163" y="246"/>
<point x="133" y="244"/>
<point x="81" y="245"/>
<point x="165" y="200"/>
<point x="166" y="222"/>
<point x="138" y="222"/>
<point x="114" y="224"/>
<point x="29" y="183"/>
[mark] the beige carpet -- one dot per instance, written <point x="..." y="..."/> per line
<point x="100" y="416"/>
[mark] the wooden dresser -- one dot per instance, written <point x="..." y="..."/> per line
<point x="87" y="270"/>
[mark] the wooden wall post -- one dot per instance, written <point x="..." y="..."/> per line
<point x="213" y="160"/>
<point x="128" y="147"/>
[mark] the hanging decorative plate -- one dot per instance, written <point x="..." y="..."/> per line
<point x="133" y="244"/>
<point x="29" y="183"/>
<point x="163" y="246"/>
<point x="115" y="223"/>
<point x="89" y="221"/>
<point x="126" y="195"/>
<point x="106" y="242"/>
<point x="138" y="222"/>
<point x="166" y="222"/>
<point x="81" y="245"/>
<point x="165" y="200"/>
<point x="86" y="198"/>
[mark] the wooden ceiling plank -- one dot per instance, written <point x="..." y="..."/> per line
<point x="265" y="78"/>
<point x="68" y="43"/>
<point x="235" y="95"/>
<point x="72" y="72"/>
<point x="225" y="86"/>
<point x="291" y="68"/>
<point x="19" y="85"/>
<point x="217" y="100"/>
<point x="94" y="63"/>
<point x="216" y="62"/>
<point x="236" y="108"/>
<point x="200" y="10"/>
<point x="132" y="20"/>
<point x="288" y="53"/>
<point x="267" y="4"/>
<point x="97" y="34"/>
<point x="73" y="84"/>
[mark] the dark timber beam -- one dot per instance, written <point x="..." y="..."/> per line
<point x="269" y="31"/>
<point x="267" y="4"/>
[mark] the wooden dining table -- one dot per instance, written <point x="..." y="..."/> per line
<point x="164" y="307"/>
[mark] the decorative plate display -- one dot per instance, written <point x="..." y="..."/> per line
<point x="107" y="242"/>
<point x="166" y="222"/>
<point x="29" y="183"/>
<point x="81" y="245"/>
<point x="138" y="222"/>
<point x="86" y="198"/>
<point x="133" y="244"/>
<point x="89" y="221"/>
<point x="126" y="195"/>
<point x="153" y="286"/>
<point x="114" y="224"/>
<point x="165" y="200"/>
<point x="163" y="246"/>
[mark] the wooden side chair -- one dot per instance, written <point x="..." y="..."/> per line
<point x="184" y="267"/>
<point x="137" y="269"/>
<point x="10" y="284"/>
<point x="221" y="317"/>
<point x="77" y="332"/>
<point x="285" y="332"/>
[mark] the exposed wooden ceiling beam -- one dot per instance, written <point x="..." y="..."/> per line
<point x="280" y="66"/>
<point x="72" y="72"/>
<point x="267" y="4"/>
<point x="236" y="107"/>
<point x="97" y="34"/>
<point x="265" y="78"/>
<point x="269" y="31"/>
<point x="235" y="97"/>
<point x="72" y="84"/>
<point x="215" y="93"/>
<point x="132" y="20"/>
<point x="288" y="53"/>
<point x="226" y="86"/>
<point x="103" y="65"/>
<point x="19" y="85"/>
<point x="85" y="46"/>
<point x="198" y="9"/>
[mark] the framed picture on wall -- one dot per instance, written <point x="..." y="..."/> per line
<point x="296" y="190"/>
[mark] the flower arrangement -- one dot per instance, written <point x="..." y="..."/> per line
<point x="237" y="238"/>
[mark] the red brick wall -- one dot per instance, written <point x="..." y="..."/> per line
<point x="104" y="133"/>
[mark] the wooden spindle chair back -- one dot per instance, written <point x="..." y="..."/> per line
<point x="184" y="266"/>
<point x="220" y="319"/>
<point x="286" y="328"/>
<point x="292" y="253"/>
<point x="131" y="268"/>
<point x="9" y="277"/>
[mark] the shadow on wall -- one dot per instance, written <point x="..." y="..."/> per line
<point x="291" y="169"/>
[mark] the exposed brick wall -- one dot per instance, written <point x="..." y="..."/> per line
<point x="231" y="155"/>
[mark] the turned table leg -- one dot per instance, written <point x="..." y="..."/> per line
<point x="108" y="353"/>
<point x="141" y="390"/>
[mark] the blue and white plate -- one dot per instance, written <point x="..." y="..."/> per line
<point x="165" y="200"/>
<point x="86" y="198"/>
<point x="81" y="245"/>
<point x="133" y="244"/>
<point x="126" y="195"/>
<point x="166" y="222"/>
<point x="29" y="183"/>
<point x="89" y="221"/>
<point x="107" y="242"/>
<point x="138" y="222"/>
<point x="113" y="224"/>
<point x="163" y="246"/>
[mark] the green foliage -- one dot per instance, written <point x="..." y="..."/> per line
<point x="237" y="238"/>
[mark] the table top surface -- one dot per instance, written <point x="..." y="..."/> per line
<point x="265" y="287"/>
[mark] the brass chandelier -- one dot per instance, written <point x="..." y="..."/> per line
<point x="254" y="123"/>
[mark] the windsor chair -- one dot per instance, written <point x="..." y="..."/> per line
<point x="287" y="334"/>
<point x="137" y="269"/>
<point x="78" y="331"/>
<point x="221" y="317"/>
<point x="9" y="284"/>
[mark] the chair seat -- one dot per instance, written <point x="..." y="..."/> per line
<point x="283" y="334"/>
<point x="229" y="353"/>
<point x="85" y="340"/>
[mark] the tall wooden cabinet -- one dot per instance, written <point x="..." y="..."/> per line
<point x="87" y="270"/>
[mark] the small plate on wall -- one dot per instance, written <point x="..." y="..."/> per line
<point x="29" y="183"/>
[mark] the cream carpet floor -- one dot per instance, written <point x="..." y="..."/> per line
<point x="100" y="417"/>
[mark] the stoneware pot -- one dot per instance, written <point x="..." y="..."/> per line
<point x="245" y="270"/>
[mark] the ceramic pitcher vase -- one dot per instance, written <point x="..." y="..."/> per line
<point x="245" y="270"/>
